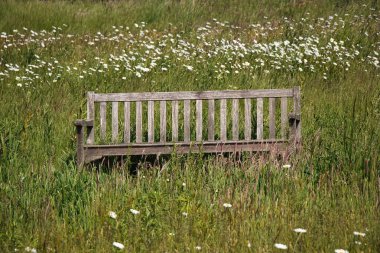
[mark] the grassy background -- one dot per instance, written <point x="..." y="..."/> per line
<point x="332" y="189"/>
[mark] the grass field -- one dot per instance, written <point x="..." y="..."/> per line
<point x="53" y="52"/>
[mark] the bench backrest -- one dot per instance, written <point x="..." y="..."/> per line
<point x="232" y="115"/>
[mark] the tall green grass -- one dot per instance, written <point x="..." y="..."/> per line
<point x="90" y="16"/>
<point x="332" y="188"/>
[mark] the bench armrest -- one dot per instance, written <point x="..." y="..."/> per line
<point x="294" y="117"/>
<point x="84" y="123"/>
<point x="80" y="125"/>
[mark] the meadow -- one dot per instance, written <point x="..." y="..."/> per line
<point x="325" y="199"/>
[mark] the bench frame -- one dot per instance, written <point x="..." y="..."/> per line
<point x="88" y="151"/>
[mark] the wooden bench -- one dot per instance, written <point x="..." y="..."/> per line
<point x="236" y="121"/>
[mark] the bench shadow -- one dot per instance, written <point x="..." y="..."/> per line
<point x="132" y="164"/>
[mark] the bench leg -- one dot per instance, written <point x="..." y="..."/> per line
<point x="80" y="148"/>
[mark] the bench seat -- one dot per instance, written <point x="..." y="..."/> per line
<point x="97" y="151"/>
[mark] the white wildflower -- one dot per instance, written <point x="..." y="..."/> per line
<point x="358" y="243"/>
<point x="112" y="214"/>
<point x="359" y="233"/>
<point x="227" y="205"/>
<point x="198" y="247"/>
<point x="280" y="246"/>
<point x="341" y="251"/>
<point x="171" y="234"/>
<point x="118" y="245"/>
<point x="32" y="250"/>
<point x="300" y="230"/>
<point x="185" y="214"/>
<point x="135" y="212"/>
<point x="286" y="166"/>
<point x="188" y="67"/>
<point x="249" y="245"/>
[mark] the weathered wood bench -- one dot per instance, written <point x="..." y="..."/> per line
<point x="239" y="127"/>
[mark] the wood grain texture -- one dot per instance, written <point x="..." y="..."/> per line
<point x="223" y="119"/>
<point x="97" y="151"/>
<point x="193" y="95"/>
<point x="297" y="111"/>
<point x="115" y="121"/>
<point x="211" y="120"/>
<point x="199" y="119"/>
<point x="272" y="118"/>
<point x="103" y="120"/>
<point x="91" y="116"/>
<point x="150" y="121"/>
<point x="84" y="123"/>
<point x="186" y="119"/>
<point x="175" y="120"/>
<point x="284" y="116"/>
<point x="138" y="122"/>
<point x="162" y="121"/>
<point x="127" y="122"/>
<point x="235" y="119"/>
<point x="259" y="111"/>
<point x="247" y="119"/>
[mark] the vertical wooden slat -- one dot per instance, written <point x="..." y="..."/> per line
<point x="199" y="120"/>
<point x="284" y="116"/>
<point x="115" y="121"/>
<point x="138" y="122"/>
<point x="235" y="119"/>
<point x="103" y="121"/>
<point x="211" y="119"/>
<point x="91" y="116"/>
<point x="174" y="120"/>
<point x="223" y="119"/>
<point x="297" y="111"/>
<point x="247" y="119"/>
<point x="272" y="119"/>
<point x="150" y="121"/>
<point x="162" y="121"/>
<point x="127" y="122"/>
<point x="186" y="117"/>
<point x="259" y="129"/>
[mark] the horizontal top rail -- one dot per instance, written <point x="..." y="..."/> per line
<point x="191" y="95"/>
